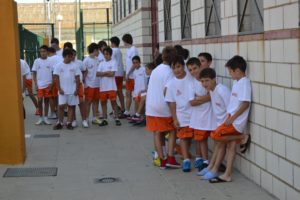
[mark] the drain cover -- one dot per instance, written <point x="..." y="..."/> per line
<point x="107" y="180"/>
<point x="31" y="172"/>
<point x="46" y="136"/>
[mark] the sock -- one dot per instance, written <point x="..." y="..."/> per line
<point x="198" y="158"/>
<point x="126" y="112"/>
<point x="185" y="160"/>
<point x="137" y="114"/>
<point x="206" y="161"/>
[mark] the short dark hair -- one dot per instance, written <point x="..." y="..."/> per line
<point x="178" y="60"/>
<point x="150" y="66"/>
<point x="208" y="73"/>
<point x="158" y="60"/>
<point x="193" y="61"/>
<point x="101" y="44"/>
<point x="68" y="45"/>
<point x="54" y="41"/>
<point x="179" y="49"/>
<point x="51" y="50"/>
<point x="108" y="50"/>
<point x="44" y="47"/>
<point x="185" y="53"/>
<point x="67" y="52"/>
<point x="127" y="38"/>
<point x="237" y="62"/>
<point x="168" y="54"/>
<point x="136" y="58"/>
<point x="115" y="40"/>
<point x="92" y="47"/>
<point x="206" y="55"/>
<point x="74" y="51"/>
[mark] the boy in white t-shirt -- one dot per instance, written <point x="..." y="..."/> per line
<point x="108" y="88"/>
<point x="158" y="114"/>
<point x="101" y="45"/>
<point x="231" y="131"/>
<point x="131" y="51"/>
<point x="220" y="95"/>
<point x="177" y="96"/>
<point x="117" y="56"/>
<point x="67" y="76"/>
<point x="202" y="116"/>
<point x="42" y="76"/>
<point x="91" y="82"/>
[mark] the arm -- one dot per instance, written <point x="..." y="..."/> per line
<point x="24" y="83"/>
<point x="34" y="77"/>
<point x="130" y="72"/>
<point x="200" y="100"/>
<point x="240" y="111"/>
<point x="56" y="78"/>
<point x="77" y="79"/>
<point x="106" y="74"/>
<point x="172" y="106"/>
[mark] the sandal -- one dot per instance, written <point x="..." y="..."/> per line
<point x="103" y="123"/>
<point x="244" y="147"/>
<point x="218" y="180"/>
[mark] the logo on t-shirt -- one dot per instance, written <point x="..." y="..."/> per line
<point x="234" y="94"/>
<point x="178" y="93"/>
<point x="218" y="104"/>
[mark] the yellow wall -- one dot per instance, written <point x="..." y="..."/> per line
<point x="12" y="142"/>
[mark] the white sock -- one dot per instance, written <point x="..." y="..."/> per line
<point x="186" y="160"/>
<point x="198" y="158"/>
<point x="206" y="161"/>
<point x="137" y="114"/>
<point x="126" y="112"/>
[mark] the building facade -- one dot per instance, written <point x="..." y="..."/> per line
<point x="266" y="33"/>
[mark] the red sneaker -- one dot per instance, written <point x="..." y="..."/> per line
<point x="37" y="112"/>
<point x="171" y="162"/>
<point x="163" y="164"/>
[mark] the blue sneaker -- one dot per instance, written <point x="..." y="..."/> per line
<point x="186" y="166"/>
<point x="198" y="162"/>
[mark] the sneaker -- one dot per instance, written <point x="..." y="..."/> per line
<point x="156" y="162"/>
<point x="85" y="124"/>
<point x="53" y="116"/>
<point x="118" y="122"/>
<point x="46" y="121"/>
<point x="69" y="126"/>
<point x="37" y="112"/>
<point x="163" y="164"/>
<point x="140" y="123"/>
<point x="172" y="163"/>
<point x="186" y="166"/>
<point x="40" y="121"/>
<point x="74" y="124"/>
<point x="204" y="165"/>
<point x="58" y="126"/>
<point x="198" y="162"/>
<point x="97" y="121"/>
<point x="103" y="123"/>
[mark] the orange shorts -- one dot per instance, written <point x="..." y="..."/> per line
<point x="200" y="135"/>
<point x="81" y="91"/>
<point x="54" y="90"/>
<point x="137" y="99"/>
<point x="185" y="132"/>
<point x="28" y="85"/>
<point x="159" y="124"/>
<point x="130" y="85"/>
<point x="119" y="82"/>
<point x="222" y="131"/>
<point x="91" y="94"/>
<point x="44" y="93"/>
<point x="111" y="95"/>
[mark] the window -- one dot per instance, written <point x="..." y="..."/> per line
<point x="129" y="6"/>
<point x="167" y="17"/>
<point x="212" y="17"/>
<point x="136" y="4"/>
<point x="124" y="6"/>
<point x="121" y="9"/>
<point x="250" y="16"/>
<point x="185" y="19"/>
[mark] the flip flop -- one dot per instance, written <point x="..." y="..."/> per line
<point x="209" y="175"/>
<point x="245" y="146"/>
<point x="218" y="180"/>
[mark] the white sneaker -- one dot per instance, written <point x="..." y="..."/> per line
<point x="74" y="123"/>
<point x="40" y="121"/>
<point x="46" y="121"/>
<point x="85" y="124"/>
<point x="53" y="116"/>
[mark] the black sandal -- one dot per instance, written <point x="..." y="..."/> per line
<point x="103" y="123"/>
<point x="118" y="122"/>
<point x="244" y="147"/>
<point x="218" y="180"/>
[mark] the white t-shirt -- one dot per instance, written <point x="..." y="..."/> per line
<point x="155" y="104"/>
<point x="27" y="69"/>
<point x="101" y="57"/>
<point x="202" y="117"/>
<point x="55" y="59"/>
<point x="130" y="53"/>
<point x="107" y="83"/>
<point x="117" y="56"/>
<point x="60" y="53"/>
<point x="91" y="65"/>
<point x="140" y="81"/>
<point x="43" y="69"/>
<point x="67" y="76"/>
<point x="219" y="101"/>
<point x="178" y="92"/>
<point x="241" y="91"/>
<point x="81" y="67"/>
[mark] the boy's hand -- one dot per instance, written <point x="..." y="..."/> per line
<point x="176" y="123"/>
<point x="61" y="92"/>
<point x="228" y="121"/>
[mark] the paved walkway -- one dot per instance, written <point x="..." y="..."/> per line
<point x="82" y="155"/>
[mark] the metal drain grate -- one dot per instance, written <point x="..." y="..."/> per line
<point x="46" y="136"/>
<point x="107" y="180"/>
<point x="31" y="172"/>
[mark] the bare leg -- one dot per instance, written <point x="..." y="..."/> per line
<point x="40" y="105"/>
<point x="230" y="160"/>
<point x="204" y="149"/>
<point x="104" y="109"/>
<point x="121" y="99"/>
<point x="136" y="106"/>
<point x="214" y="155"/>
<point x="128" y="100"/>
<point x="158" y="144"/>
<point x="46" y="103"/>
<point x="88" y="108"/>
<point x="82" y="109"/>
<point x="141" y="105"/>
<point x="185" y="146"/>
<point x="33" y="99"/>
<point x="114" y="105"/>
<point x="95" y="107"/>
<point x="171" y="143"/>
<point x="198" y="148"/>
<point x="220" y="156"/>
<point x="61" y="113"/>
<point x="70" y="113"/>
